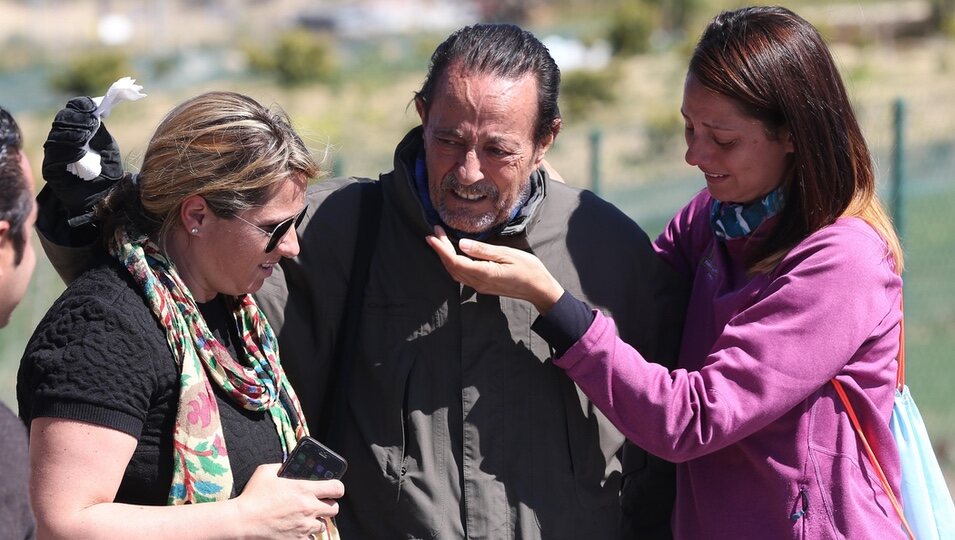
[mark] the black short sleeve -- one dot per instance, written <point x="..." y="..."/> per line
<point x="100" y="356"/>
<point x="96" y="356"/>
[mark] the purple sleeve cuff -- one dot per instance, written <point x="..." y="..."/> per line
<point x="565" y="323"/>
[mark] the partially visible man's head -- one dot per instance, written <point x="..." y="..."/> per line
<point x="507" y="52"/>
<point x="17" y="215"/>
<point x="489" y="111"/>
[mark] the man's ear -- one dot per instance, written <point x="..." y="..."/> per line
<point x="422" y="109"/>
<point x="544" y="145"/>
<point x="555" y="127"/>
<point x="194" y="212"/>
<point x="4" y="232"/>
<point x="6" y="245"/>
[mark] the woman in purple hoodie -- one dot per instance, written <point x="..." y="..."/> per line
<point x="795" y="272"/>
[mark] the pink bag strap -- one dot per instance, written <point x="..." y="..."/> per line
<point x="872" y="459"/>
<point x="900" y="382"/>
<point x="900" y="375"/>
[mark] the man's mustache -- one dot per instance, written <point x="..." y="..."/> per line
<point x="487" y="189"/>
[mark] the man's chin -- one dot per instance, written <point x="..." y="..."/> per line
<point x="469" y="224"/>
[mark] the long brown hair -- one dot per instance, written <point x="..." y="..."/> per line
<point x="777" y="67"/>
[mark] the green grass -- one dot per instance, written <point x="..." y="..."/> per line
<point x="930" y="316"/>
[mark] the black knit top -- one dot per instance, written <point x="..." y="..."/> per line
<point x="100" y="356"/>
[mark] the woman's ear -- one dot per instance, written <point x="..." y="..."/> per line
<point x="788" y="140"/>
<point x="194" y="212"/>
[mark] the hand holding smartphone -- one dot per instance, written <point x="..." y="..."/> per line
<point x="312" y="460"/>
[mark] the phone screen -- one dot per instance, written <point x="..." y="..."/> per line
<point x="312" y="460"/>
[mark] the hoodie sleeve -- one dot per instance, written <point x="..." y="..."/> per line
<point x="834" y="297"/>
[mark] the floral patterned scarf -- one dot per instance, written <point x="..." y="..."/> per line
<point x="201" y="469"/>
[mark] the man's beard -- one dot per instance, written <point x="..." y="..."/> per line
<point x="469" y="222"/>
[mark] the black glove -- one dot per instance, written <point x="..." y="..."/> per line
<point x="73" y="126"/>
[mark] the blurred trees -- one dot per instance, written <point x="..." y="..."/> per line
<point x="943" y="13"/>
<point x="581" y="90"/>
<point x="91" y="73"/>
<point x="297" y="57"/>
<point x="511" y="11"/>
<point x="633" y="23"/>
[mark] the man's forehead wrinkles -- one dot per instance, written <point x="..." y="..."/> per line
<point x="460" y="132"/>
<point x="454" y="131"/>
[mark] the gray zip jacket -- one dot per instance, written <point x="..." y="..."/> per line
<point x="455" y="422"/>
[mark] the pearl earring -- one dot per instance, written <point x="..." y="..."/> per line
<point x="194" y="231"/>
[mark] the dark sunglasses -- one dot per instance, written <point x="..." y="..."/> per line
<point x="279" y="231"/>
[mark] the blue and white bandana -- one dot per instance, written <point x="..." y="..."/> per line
<point x="732" y="220"/>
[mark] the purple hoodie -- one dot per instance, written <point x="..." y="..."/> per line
<point x="763" y="445"/>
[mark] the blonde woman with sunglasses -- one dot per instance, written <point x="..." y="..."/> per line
<point x="154" y="382"/>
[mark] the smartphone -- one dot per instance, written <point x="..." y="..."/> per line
<point x="312" y="460"/>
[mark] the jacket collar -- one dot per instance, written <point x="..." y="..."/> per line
<point x="413" y="203"/>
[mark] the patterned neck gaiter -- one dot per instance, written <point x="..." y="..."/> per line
<point x="731" y="220"/>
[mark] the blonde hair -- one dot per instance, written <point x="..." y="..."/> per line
<point x="223" y="146"/>
<point x="866" y="206"/>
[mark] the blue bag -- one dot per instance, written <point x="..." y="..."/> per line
<point x="926" y="509"/>
<point x="925" y="497"/>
